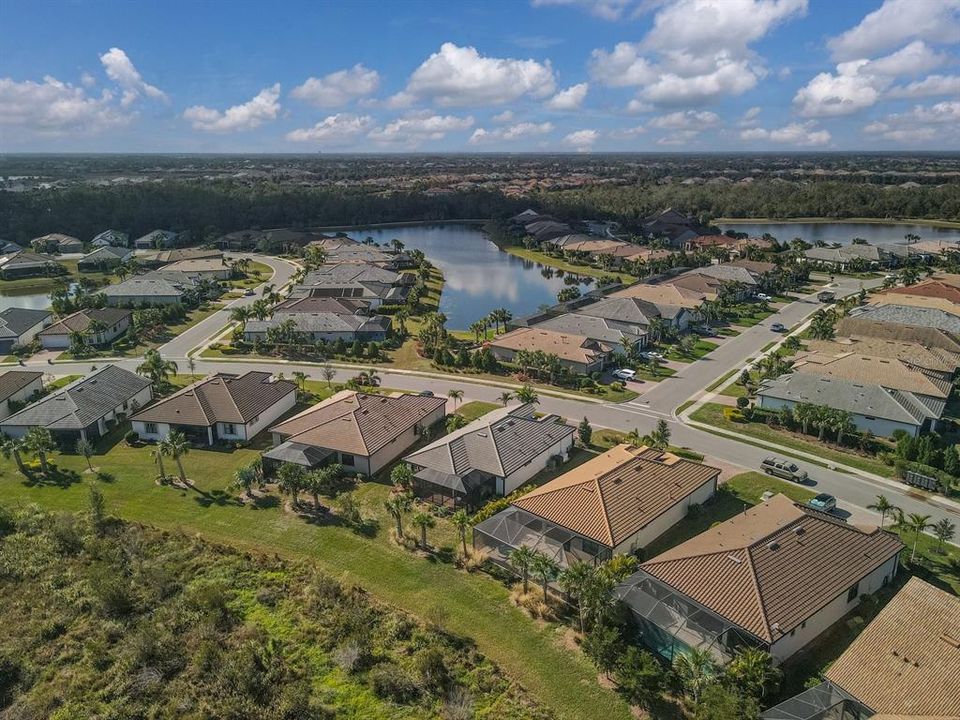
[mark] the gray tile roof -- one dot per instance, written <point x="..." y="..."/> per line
<point x="114" y="237"/>
<point x="162" y="283"/>
<point x="323" y="322"/>
<point x="16" y="321"/>
<point x="728" y="273"/>
<point x="106" y="253"/>
<point x="81" y="403"/>
<point x="499" y="443"/>
<point x="595" y="328"/>
<point x="628" y="310"/>
<point x="13" y="381"/>
<point x="909" y="315"/>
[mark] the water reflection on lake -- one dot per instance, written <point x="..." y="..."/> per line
<point x="843" y="233"/>
<point x="478" y="275"/>
<point x="23" y="297"/>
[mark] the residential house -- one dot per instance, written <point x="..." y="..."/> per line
<point x="341" y="306"/>
<point x="25" y="264"/>
<point x="326" y="326"/>
<point x="157" y="240"/>
<point x="98" y="326"/>
<point x="153" y="288"/>
<point x="908" y="315"/>
<point x="19" y="326"/>
<point x="859" y="327"/>
<point x="157" y="259"/>
<point x="615" y="503"/>
<point x="9" y="248"/>
<point x="16" y="388"/>
<point x="110" y="238"/>
<point x="375" y="285"/>
<point x="620" y="337"/>
<point x="577" y="353"/>
<point x="221" y="408"/>
<point x="935" y="294"/>
<point x="87" y="408"/>
<point x="638" y="313"/>
<point x="669" y="301"/>
<point x="775" y="576"/>
<point x="735" y="247"/>
<point x="673" y="226"/>
<point x="543" y="230"/>
<point x="213" y="268"/>
<point x="704" y="285"/>
<point x="525" y="217"/>
<point x="241" y="240"/>
<point x="491" y="456"/>
<point x="840" y="258"/>
<point x="364" y="433"/>
<point x="872" y="407"/>
<point x="942" y="363"/>
<point x="57" y="243"/>
<point x="905" y="664"/>
<point x="104" y="259"/>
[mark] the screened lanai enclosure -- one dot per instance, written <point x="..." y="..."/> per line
<point x="507" y="530"/>
<point x="670" y="623"/>
<point x="825" y="701"/>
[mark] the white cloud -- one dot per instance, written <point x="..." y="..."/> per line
<point x="680" y="137"/>
<point x="339" y="129"/>
<point x="895" y="22"/>
<point x="696" y="52"/>
<point x="792" y="134"/>
<point x="686" y="120"/>
<point x="413" y="129"/>
<point x="749" y="118"/>
<point x="605" y="9"/>
<point x="628" y="133"/>
<point x="53" y="107"/>
<point x="260" y="109"/>
<point x="87" y="80"/>
<point x="461" y="76"/>
<point x="513" y="132"/>
<point x="581" y="140"/>
<point x="569" y="99"/>
<point x="921" y="124"/>
<point x="504" y="117"/>
<point x="928" y="87"/>
<point x="120" y="69"/>
<point x="338" y="88"/>
<point x="638" y="107"/>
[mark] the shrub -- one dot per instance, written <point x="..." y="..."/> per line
<point x="392" y="682"/>
<point x="131" y="437"/>
<point x="495" y="506"/>
<point x="734" y="415"/>
<point x="742" y="402"/>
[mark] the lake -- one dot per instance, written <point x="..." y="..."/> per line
<point x="478" y="276"/>
<point x="24" y="298"/>
<point x="843" y="233"/>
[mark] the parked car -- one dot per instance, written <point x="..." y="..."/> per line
<point x="647" y="355"/>
<point x="778" y="327"/>
<point x="782" y="468"/>
<point x="248" y="292"/>
<point x="826" y="296"/>
<point x="702" y="330"/>
<point x="624" y="374"/>
<point x="426" y="393"/>
<point x="823" y="502"/>
<point x="764" y="297"/>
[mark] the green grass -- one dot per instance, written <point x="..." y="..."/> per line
<point x="472" y="410"/>
<point x="748" y="315"/>
<point x="256" y="274"/>
<point x="473" y="605"/>
<point x="566" y="266"/>
<point x="700" y="350"/>
<point x="60" y="382"/>
<point x="712" y="414"/>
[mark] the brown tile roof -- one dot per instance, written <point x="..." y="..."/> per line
<point x="80" y="320"/>
<point x="615" y="495"/>
<point x="707" y="286"/>
<point x="887" y="372"/>
<point x="850" y="326"/>
<point x="907" y="660"/>
<point x="928" y="288"/>
<point x="935" y="359"/>
<point x="219" y="398"/>
<point x="13" y="381"/>
<point x="358" y="423"/>
<point x="664" y="294"/>
<point x="773" y="566"/>
<point x="566" y="346"/>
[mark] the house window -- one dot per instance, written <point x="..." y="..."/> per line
<point x="229" y="429"/>
<point x="852" y="592"/>
<point x="150" y="428"/>
<point x="254" y="419"/>
<point x="347" y="460"/>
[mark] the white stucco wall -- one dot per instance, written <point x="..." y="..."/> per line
<point x="659" y="525"/>
<point x="269" y="416"/>
<point x="21" y="395"/>
<point x="538" y="463"/>
<point x="391" y="451"/>
<point x="140" y="428"/>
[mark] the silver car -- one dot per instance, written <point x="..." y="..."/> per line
<point x="782" y="468"/>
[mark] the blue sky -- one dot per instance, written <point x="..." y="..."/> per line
<point x="523" y="75"/>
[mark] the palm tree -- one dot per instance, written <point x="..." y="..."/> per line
<point x="401" y="317"/>
<point x="884" y="507"/>
<point x="944" y="530"/>
<point x="660" y="437"/>
<point x="545" y="569"/>
<point x="695" y="669"/>
<point x="576" y="581"/>
<point x="653" y="362"/>
<point x="12" y="448"/>
<point x="521" y="560"/>
<point x="156" y="368"/>
<point x="461" y="521"/>
<point x="456" y="396"/>
<point x="301" y="379"/>
<point x="39" y="441"/>
<point x="634" y="438"/>
<point x="85" y="447"/>
<point x="329" y="373"/>
<point x="917" y="524"/>
<point x="176" y="446"/>
<point x="241" y="314"/>
<point x="527" y="394"/>
<point x="244" y="478"/>
<point x="752" y="670"/>
<point x="157" y="454"/>
<point x="397" y="504"/>
<point x="291" y="479"/>
<point x="804" y="414"/>
<point x="505" y="397"/>
<point x="842" y="423"/>
<point x="423" y="520"/>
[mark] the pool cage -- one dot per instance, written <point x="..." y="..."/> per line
<point x="670" y="623"/>
<point x="507" y="530"/>
<point x="825" y="701"/>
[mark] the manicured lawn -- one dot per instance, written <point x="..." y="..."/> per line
<point x="566" y="266"/>
<point x="750" y="315"/>
<point x="46" y="284"/>
<point x="701" y="349"/>
<point x="472" y="410"/>
<point x="256" y="274"/>
<point x="712" y="414"/>
<point x="473" y="605"/>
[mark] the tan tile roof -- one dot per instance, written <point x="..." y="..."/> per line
<point x="927" y="358"/>
<point x="566" y="346"/>
<point x="80" y="320"/>
<point x="850" y="326"/>
<point x="358" y="423"/>
<point x="708" y="286"/>
<point x="219" y="398"/>
<point x="907" y="660"/>
<point x="665" y="294"/>
<point x="868" y="369"/>
<point x="928" y="288"/>
<point x="764" y="569"/>
<point x="614" y="495"/>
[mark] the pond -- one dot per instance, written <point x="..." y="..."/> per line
<point x="478" y="276"/>
<point x="843" y="233"/>
<point x="24" y="297"/>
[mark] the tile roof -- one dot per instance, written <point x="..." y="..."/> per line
<point x="664" y="294"/>
<point x="114" y="237"/>
<point x="157" y="283"/>
<point x="192" y="265"/>
<point x="707" y="285"/>
<point x="26" y="258"/>
<point x="324" y="322"/>
<point x="928" y="358"/>
<point x="498" y="443"/>
<point x="727" y="272"/>
<point x="859" y="327"/>
<point x="353" y="272"/>
<point x="219" y="398"/>
<point x="907" y="660"/>
<point x="908" y="315"/>
<point x="358" y="423"/>
<point x="13" y="381"/>
<point x="927" y="288"/>
<point x="16" y="321"/>
<point x="566" y="346"/>
<point x="867" y="369"/>
<point x="846" y="253"/>
<point x="343" y="306"/>
<point x="83" y="402"/>
<point x="596" y="328"/>
<point x="616" y="494"/>
<point x="105" y="253"/>
<point x="635" y="311"/>
<point x="176" y="255"/>
<point x="81" y="319"/>
<point x="766" y="568"/>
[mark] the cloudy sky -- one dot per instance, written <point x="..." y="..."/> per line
<point x="497" y="75"/>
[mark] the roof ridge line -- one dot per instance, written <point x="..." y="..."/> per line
<point x="754" y="583"/>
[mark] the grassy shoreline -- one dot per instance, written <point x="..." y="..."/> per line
<point x="948" y="224"/>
